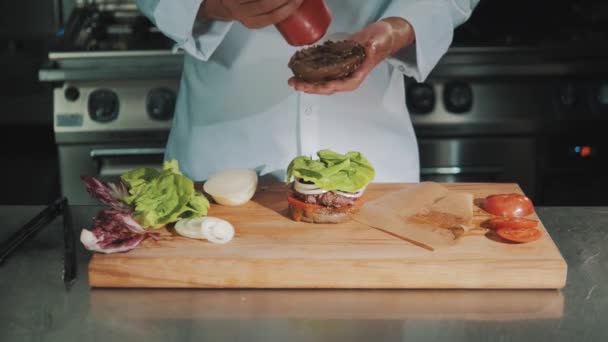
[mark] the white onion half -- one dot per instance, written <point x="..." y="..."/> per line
<point x="307" y="189"/>
<point x="232" y="187"/>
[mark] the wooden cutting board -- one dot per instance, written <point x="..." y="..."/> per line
<point x="229" y="304"/>
<point x="272" y="251"/>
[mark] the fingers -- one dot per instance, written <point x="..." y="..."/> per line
<point x="261" y="13"/>
<point x="310" y="88"/>
<point x="351" y="83"/>
<point x="373" y="40"/>
<point x="328" y="88"/>
<point x="283" y="12"/>
<point x="252" y="8"/>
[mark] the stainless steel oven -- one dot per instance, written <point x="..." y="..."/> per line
<point x="104" y="128"/>
<point x="89" y="143"/>
<point x="557" y="73"/>
<point x="468" y="127"/>
<point x="105" y="161"/>
<point x="476" y="123"/>
<point x="115" y="81"/>
<point x="479" y="160"/>
<point x="573" y="143"/>
<point x="479" y="117"/>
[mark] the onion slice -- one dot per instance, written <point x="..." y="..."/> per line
<point x="232" y="187"/>
<point x="312" y="189"/>
<point x="209" y="228"/>
<point x="356" y="194"/>
<point x="217" y="230"/>
<point x="307" y="189"/>
<point x="190" y="228"/>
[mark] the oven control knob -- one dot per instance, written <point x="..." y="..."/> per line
<point x="420" y="98"/>
<point x="160" y="103"/>
<point x="567" y="95"/>
<point x="458" y="97"/>
<point x="598" y="99"/>
<point x="103" y="105"/>
<point x="602" y="94"/>
<point x="71" y="93"/>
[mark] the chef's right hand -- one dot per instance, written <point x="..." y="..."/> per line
<point x="253" y="14"/>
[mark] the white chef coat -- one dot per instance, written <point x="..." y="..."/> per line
<point x="235" y="109"/>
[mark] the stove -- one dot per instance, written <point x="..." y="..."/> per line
<point x="469" y="129"/>
<point x="521" y="96"/>
<point x="116" y="79"/>
<point x="109" y="26"/>
<point x="505" y="104"/>
<point x="539" y="23"/>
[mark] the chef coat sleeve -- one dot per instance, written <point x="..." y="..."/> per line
<point x="177" y="19"/>
<point x="433" y="22"/>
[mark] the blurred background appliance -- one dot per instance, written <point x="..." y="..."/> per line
<point x="519" y="97"/>
<point x="115" y="82"/>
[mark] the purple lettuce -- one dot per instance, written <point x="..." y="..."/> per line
<point x="116" y="220"/>
<point x="114" y="231"/>
<point x="110" y="194"/>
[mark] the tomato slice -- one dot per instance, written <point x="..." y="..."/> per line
<point x="511" y="222"/>
<point x="297" y="203"/>
<point x="519" y="235"/>
<point x="509" y="205"/>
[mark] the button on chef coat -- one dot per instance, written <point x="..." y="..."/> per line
<point x="235" y="109"/>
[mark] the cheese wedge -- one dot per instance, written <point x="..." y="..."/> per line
<point x="425" y="214"/>
<point x="391" y="211"/>
<point x="454" y="210"/>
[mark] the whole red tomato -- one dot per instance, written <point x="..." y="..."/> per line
<point x="307" y="24"/>
<point x="510" y="205"/>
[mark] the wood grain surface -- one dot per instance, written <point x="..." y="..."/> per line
<point x="272" y="251"/>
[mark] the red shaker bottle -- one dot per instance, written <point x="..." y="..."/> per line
<point x="307" y="24"/>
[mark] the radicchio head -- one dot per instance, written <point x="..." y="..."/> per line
<point x="108" y="193"/>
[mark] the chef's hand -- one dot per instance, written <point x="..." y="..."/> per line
<point x="253" y="14"/>
<point x="380" y="40"/>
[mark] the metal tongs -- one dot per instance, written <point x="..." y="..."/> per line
<point x="35" y="225"/>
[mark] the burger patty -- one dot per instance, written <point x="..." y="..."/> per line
<point x="328" y="61"/>
<point x="328" y="199"/>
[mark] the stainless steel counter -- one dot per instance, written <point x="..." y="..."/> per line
<point x="34" y="306"/>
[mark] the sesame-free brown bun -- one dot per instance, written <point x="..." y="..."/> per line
<point x="328" y="61"/>
<point x="329" y="207"/>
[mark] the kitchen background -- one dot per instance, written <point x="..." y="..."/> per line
<point x="521" y="96"/>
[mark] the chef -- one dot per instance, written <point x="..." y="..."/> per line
<point x="239" y="107"/>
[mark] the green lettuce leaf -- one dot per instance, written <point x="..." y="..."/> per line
<point x="135" y="181"/>
<point x="160" y="198"/>
<point x="172" y="166"/>
<point x="333" y="171"/>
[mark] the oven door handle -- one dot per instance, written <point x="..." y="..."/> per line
<point x="113" y="162"/>
<point x="460" y="170"/>
<point x="126" y="152"/>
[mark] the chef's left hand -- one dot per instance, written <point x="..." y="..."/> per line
<point x="380" y="40"/>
